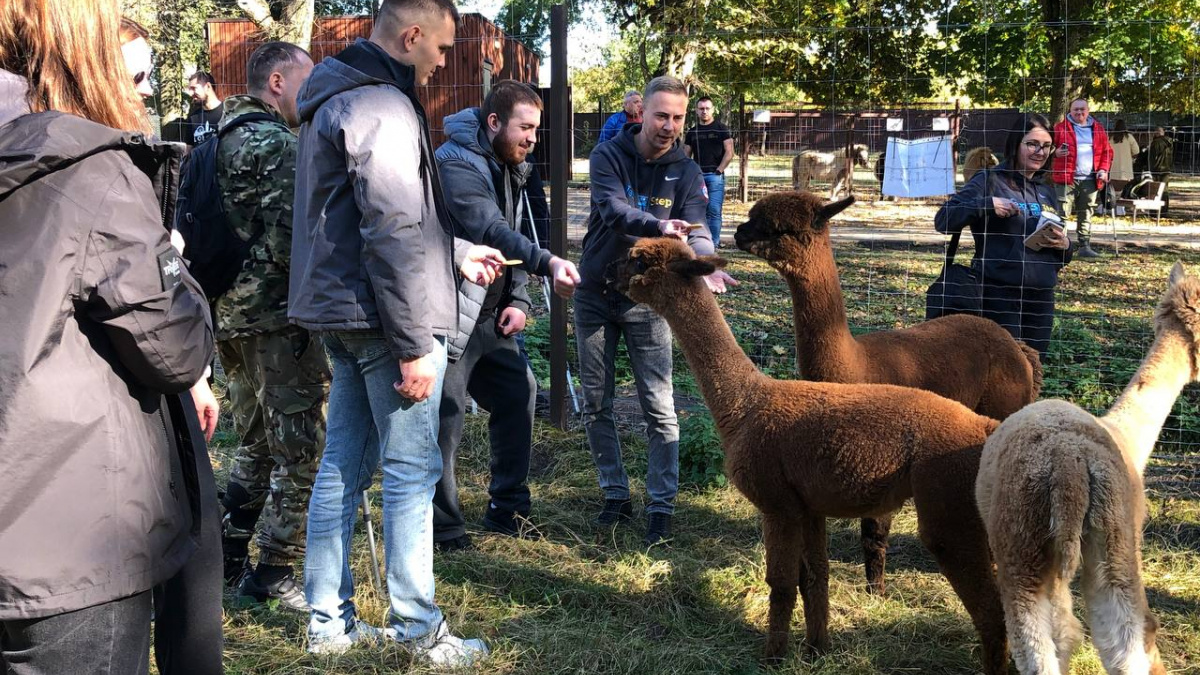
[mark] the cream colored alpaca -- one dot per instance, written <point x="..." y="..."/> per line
<point x="1059" y="489"/>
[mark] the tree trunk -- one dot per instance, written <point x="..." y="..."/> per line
<point x="1067" y="31"/>
<point x="294" y="25"/>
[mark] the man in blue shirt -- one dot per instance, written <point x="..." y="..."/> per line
<point x="632" y="114"/>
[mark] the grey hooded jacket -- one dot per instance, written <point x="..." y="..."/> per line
<point x="369" y="247"/>
<point x="98" y="481"/>
<point x="486" y="198"/>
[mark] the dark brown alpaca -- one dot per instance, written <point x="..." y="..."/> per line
<point x="964" y="358"/>
<point x="802" y="452"/>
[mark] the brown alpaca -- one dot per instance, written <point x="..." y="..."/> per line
<point x="976" y="160"/>
<point x="969" y="359"/>
<point x="1059" y="489"/>
<point x="802" y="452"/>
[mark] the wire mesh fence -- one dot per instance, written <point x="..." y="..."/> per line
<point x="790" y="77"/>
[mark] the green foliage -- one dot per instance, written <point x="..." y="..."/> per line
<point x="529" y="21"/>
<point x="701" y="455"/>
<point x="1039" y="53"/>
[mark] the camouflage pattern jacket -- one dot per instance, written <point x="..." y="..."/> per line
<point x="256" y="169"/>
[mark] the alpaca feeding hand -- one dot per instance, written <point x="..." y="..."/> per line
<point x="968" y="359"/>
<point x="1059" y="489"/>
<point x="805" y="451"/>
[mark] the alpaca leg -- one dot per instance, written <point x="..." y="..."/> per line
<point x="784" y="545"/>
<point x="1151" y="636"/>
<point x="1116" y="601"/>
<point x="950" y="527"/>
<point x="1068" y="632"/>
<point x="1030" y="615"/>
<point x="814" y="583"/>
<point x="874" y="545"/>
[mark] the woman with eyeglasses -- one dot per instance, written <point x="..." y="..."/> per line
<point x="1003" y="206"/>
<point x="104" y="334"/>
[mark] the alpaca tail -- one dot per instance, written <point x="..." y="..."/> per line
<point x="1035" y="362"/>
<point x="1068" y="516"/>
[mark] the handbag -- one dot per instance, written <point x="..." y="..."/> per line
<point x="956" y="290"/>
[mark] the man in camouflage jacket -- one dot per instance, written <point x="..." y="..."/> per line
<point x="278" y="375"/>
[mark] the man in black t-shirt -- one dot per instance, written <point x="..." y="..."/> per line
<point x="206" y="115"/>
<point x="711" y="145"/>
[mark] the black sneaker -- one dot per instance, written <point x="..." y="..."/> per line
<point x="285" y="593"/>
<point x="509" y="524"/>
<point x="615" y="511"/>
<point x="1086" y="252"/>
<point x="459" y="543"/>
<point x="236" y="569"/>
<point x="658" y="528"/>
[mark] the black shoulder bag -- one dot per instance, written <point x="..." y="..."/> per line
<point x="956" y="290"/>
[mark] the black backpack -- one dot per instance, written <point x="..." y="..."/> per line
<point x="215" y="253"/>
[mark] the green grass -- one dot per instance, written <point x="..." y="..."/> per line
<point x="583" y="601"/>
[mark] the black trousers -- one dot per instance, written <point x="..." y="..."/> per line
<point x="187" y="607"/>
<point x="1026" y="313"/>
<point x="112" y="638"/>
<point x="497" y="376"/>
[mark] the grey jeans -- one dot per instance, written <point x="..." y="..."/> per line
<point x="600" y="321"/>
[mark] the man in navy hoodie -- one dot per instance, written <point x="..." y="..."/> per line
<point x="643" y="185"/>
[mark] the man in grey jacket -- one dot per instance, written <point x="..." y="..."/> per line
<point x="373" y="269"/>
<point x="484" y="159"/>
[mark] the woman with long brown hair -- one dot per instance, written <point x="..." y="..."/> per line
<point x="105" y="332"/>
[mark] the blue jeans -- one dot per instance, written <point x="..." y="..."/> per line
<point x="369" y="422"/>
<point x="715" y="184"/>
<point x="600" y="320"/>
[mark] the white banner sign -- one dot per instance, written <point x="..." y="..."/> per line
<point x="895" y="124"/>
<point x="921" y="168"/>
<point x="762" y="117"/>
<point x="941" y="124"/>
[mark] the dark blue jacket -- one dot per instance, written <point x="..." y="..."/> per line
<point x="630" y="195"/>
<point x="612" y="126"/>
<point x="1001" y="258"/>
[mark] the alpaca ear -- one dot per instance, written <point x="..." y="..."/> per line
<point x="1178" y="274"/>
<point x="833" y="208"/>
<point x="696" y="267"/>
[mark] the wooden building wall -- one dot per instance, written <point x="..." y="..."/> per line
<point x="456" y="86"/>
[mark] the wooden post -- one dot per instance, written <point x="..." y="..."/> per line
<point x="955" y="129"/>
<point x="744" y="155"/>
<point x="850" y="154"/>
<point x="560" y="168"/>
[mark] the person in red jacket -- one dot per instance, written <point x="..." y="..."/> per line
<point x="1081" y="164"/>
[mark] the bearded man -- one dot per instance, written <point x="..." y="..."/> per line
<point x="483" y="164"/>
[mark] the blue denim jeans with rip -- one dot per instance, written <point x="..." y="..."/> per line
<point x="714" y="183"/>
<point x="369" y="424"/>
<point x="600" y="321"/>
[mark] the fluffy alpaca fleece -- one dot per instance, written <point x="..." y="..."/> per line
<point x="1059" y="489"/>
<point x="969" y="359"/>
<point x="976" y="160"/>
<point x="802" y="452"/>
<point x="826" y="166"/>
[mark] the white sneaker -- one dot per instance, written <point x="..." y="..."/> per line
<point x="442" y="648"/>
<point x="334" y="645"/>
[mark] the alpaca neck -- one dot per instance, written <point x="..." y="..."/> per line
<point x="1138" y="415"/>
<point x="727" y="378"/>
<point x="823" y="339"/>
